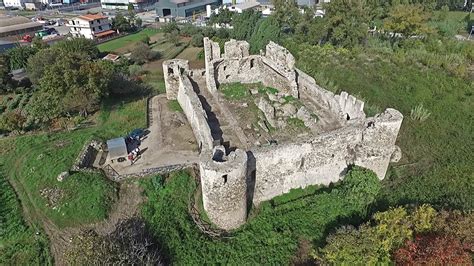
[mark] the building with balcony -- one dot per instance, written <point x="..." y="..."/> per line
<point x="90" y="26"/>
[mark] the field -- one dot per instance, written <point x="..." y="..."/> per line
<point x="15" y="234"/>
<point x="274" y="229"/>
<point x="437" y="164"/>
<point x="125" y="41"/>
<point x="32" y="164"/>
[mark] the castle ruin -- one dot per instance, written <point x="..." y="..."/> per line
<point x="238" y="168"/>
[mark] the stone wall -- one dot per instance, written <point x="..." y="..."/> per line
<point x="223" y="181"/>
<point x="345" y="105"/>
<point x="211" y="52"/>
<point x="172" y="70"/>
<point x="87" y="156"/>
<point x="325" y="158"/>
<point x="192" y="108"/>
<point x="232" y="180"/>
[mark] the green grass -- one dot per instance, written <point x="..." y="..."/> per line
<point x="437" y="163"/>
<point x="123" y="41"/>
<point x="270" y="237"/>
<point x="19" y="245"/>
<point x="235" y="91"/>
<point x="174" y="106"/>
<point x="33" y="163"/>
<point x="296" y="123"/>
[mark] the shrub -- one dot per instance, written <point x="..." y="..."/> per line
<point x="197" y="40"/>
<point x="432" y="249"/>
<point x="142" y="53"/>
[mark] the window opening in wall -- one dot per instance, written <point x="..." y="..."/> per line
<point x="227" y="76"/>
<point x="224" y="177"/>
<point x="348" y="117"/>
<point x="170" y="70"/>
<point x="225" y="67"/>
<point x="251" y="63"/>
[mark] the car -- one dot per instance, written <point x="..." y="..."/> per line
<point x="137" y="133"/>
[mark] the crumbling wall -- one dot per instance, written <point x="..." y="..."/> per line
<point x="211" y="52"/>
<point x="351" y="107"/>
<point x="243" y="70"/>
<point x="86" y="157"/>
<point x="224" y="189"/>
<point x="172" y="70"/>
<point x="236" y="49"/>
<point x="325" y="158"/>
<point x="192" y="108"/>
<point x="344" y="105"/>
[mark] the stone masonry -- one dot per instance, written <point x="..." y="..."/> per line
<point x="233" y="178"/>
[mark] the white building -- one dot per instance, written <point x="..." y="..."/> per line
<point x="14" y="3"/>
<point x="90" y="26"/>
<point x="239" y="8"/>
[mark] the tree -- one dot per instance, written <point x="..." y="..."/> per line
<point x="81" y="46"/>
<point x="347" y="22"/>
<point x="38" y="62"/>
<point x="145" y="39"/>
<point x="197" y="40"/>
<point x="142" y="53"/>
<point x="286" y="14"/>
<point x="170" y="27"/>
<point x="12" y="120"/>
<point x="267" y="30"/>
<point x="360" y="187"/>
<point x="18" y="56"/>
<point x="408" y="20"/>
<point x="69" y="84"/>
<point x="121" y="23"/>
<point x="223" y="17"/>
<point x="173" y="37"/>
<point x="433" y="249"/>
<point x="38" y="43"/>
<point x="374" y="242"/>
<point x="244" y="24"/>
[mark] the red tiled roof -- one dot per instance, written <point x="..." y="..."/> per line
<point x="104" y="33"/>
<point x="91" y="17"/>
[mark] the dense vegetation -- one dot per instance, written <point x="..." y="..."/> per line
<point x="274" y="229"/>
<point x="19" y="243"/>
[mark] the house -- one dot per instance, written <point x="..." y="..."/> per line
<point x="183" y="8"/>
<point x="13" y="26"/>
<point x="239" y="8"/>
<point x="91" y="26"/>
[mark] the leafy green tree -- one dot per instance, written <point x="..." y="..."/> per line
<point x="82" y="46"/>
<point x="142" y="53"/>
<point x="408" y="20"/>
<point x="223" y="17"/>
<point x="170" y="27"/>
<point x="347" y="22"/>
<point x="244" y="24"/>
<point x="38" y="43"/>
<point x="286" y="14"/>
<point x="70" y="83"/>
<point x="267" y="30"/>
<point x="173" y="37"/>
<point x="18" y="56"/>
<point x="121" y="23"/>
<point x="5" y="77"/>
<point x="359" y="187"/>
<point x="38" y="62"/>
<point x="197" y="40"/>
